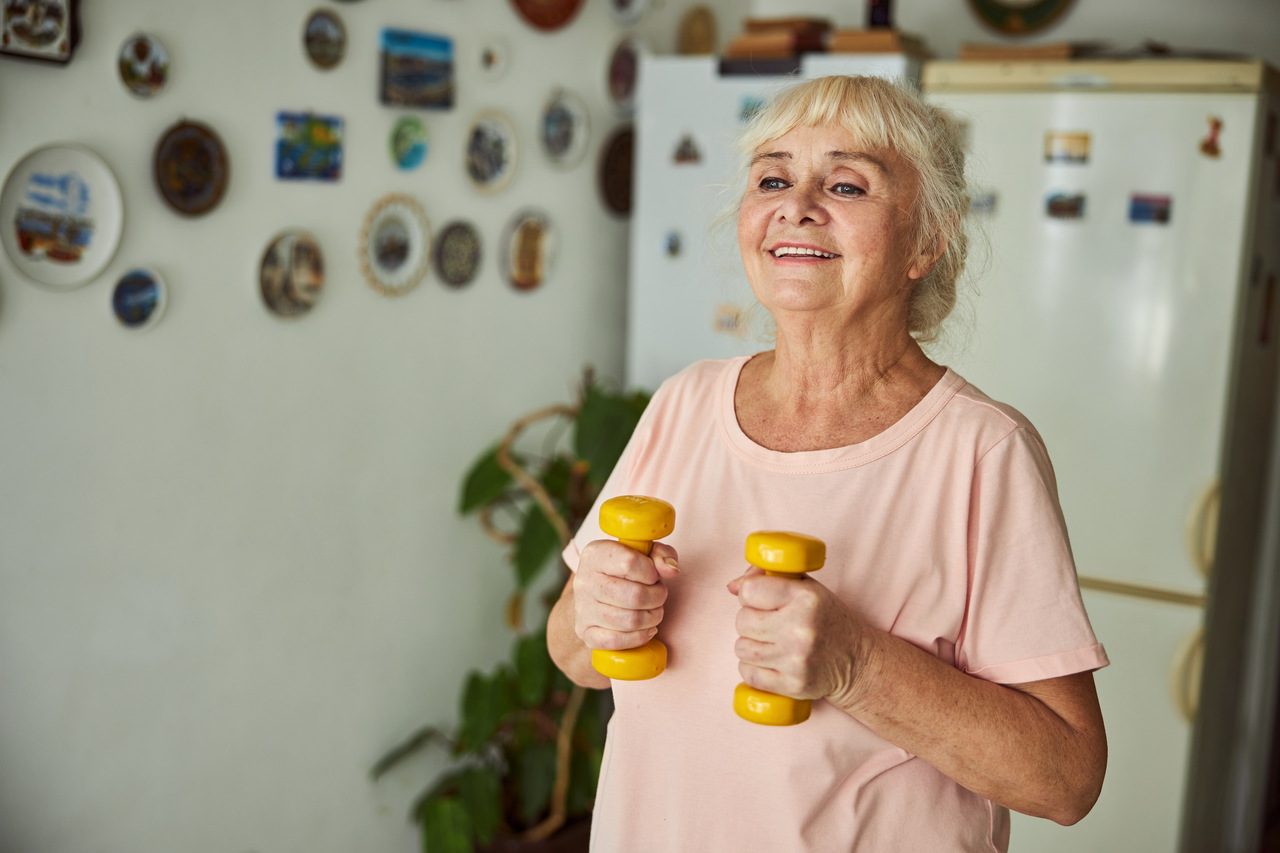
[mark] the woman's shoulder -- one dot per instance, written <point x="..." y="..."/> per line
<point x="989" y="419"/>
<point x="694" y="383"/>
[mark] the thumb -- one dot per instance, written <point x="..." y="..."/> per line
<point x="665" y="560"/>
<point x="735" y="585"/>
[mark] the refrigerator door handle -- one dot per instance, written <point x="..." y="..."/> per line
<point x="1202" y="528"/>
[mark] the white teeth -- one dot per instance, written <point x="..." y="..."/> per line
<point x="783" y="251"/>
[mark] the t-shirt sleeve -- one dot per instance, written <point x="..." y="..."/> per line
<point x="618" y="482"/>
<point x="1025" y="620"/>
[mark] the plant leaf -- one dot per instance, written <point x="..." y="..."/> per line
<point x="584" y="773"/>
<point x="536" y="765"/>
<point x="485" y="482"/>
<point x="533" y="668"/>
<point x="446" y="827"/>
<point x="538" y="540"/>
<point x="555" y="479"/>
<point x="482" y="795"/>
<point x="483" y="706"/>
<point x="604" y="426"/>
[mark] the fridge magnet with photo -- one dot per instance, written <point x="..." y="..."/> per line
<point x="983" y="203"/>
<point x="564" y="128"/>
<point x="493" y="57"/>
<point x="748" y="107"/>
<point x="456" y="253"/>
<point x="47" y="30"/>
<point x="1210" y="146"/>
<point x="529" y="250"/>
<point x="628" y="12"/>
<point x="191" y="168"/>
<point x="615" y="170"/>
<point x="324" y="37"/>
<point x="686" y="153"/>
<point x="408" y="143"/>
<point x="416" y="70"/>
<point x="697" y="33"/>
<point x="63" y="215"/>
<point x="291" y="274"/>
<point x="624" y="66"/>
<point x="308" y="147"/>
<point x="729" y="320"/>
<point x="671" y="244"/>
<point x="139" y="298"/>
<point x="1145" y="207"/>
<point x="395" y="245"/>
<point x="1062" y="205"/>
<point x="547" y="15"/>
<point x="1066" y="147"/>
<point x="143" y="64"/>
<point x="491" y="151"/>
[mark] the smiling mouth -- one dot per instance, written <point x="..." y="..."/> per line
<point x="802" y="252"/>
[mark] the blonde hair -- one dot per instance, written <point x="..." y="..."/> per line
<point x="886" y="116"/>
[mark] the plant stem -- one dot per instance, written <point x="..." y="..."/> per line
<point x="523" y="477"/>
<point x="560" y="793"/>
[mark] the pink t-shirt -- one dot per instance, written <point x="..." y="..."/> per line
<point x="943" y="530"/>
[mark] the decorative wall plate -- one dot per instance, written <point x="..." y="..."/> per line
<point x="529" y="250"/>
<point x="624" y="67"/>
<point x="564" y="128"/>
<point x="547" y="14"/>
<point x="325" y="38"/>
<point x="1019" y="17"/>
<point x="291" y="275"/>
<point x="615" y="170"/>
<point x="61" y="214"/>
<point x="628" y="12"/>
<point x="191" y="168"/>
<point x="697" y="33"/>
<point x="139" y="298"/>
<point x="394" y="245"/>
<point x="143" y="64"/>
<point x="409" y="142"/>
<point x="491" y="151"/>
<point x="40" y="29"/>
<point x="457" y="253"/>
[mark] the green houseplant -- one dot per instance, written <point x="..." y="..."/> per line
<point x="527" y="749"/>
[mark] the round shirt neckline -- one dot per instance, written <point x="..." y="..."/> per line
<point x="834" y="458"/>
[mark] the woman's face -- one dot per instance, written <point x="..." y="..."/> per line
<point x="824" y="226"/>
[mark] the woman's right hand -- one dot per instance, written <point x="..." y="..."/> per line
<point x="619" y="593"/>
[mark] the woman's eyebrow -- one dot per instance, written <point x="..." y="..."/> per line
<point x="856" y="156"/>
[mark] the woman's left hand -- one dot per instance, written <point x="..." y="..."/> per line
<point x="795" y="638"/>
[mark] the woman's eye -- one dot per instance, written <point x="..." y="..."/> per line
<point x="847" y="189"/>
<point x="772" y="183"/>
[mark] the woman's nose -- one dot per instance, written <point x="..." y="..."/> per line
<point x="803" y="203"/>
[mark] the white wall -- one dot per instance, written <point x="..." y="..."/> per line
<point x="231" y="573"/>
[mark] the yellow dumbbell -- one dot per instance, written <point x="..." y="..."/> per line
<point x="636" y="521"/>
<point x="785" y="555"/>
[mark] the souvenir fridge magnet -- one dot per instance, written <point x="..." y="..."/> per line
<point x="564" y="128"/>
<point x="1066" y="147"/>
<point x="308" y="147"/>
<point x="40" y="29"/>
<point x="143" y="64"/>
<point x="409" y="143"/>
<point x="628" y="12"/>
<point x="394" y="245"/>
<point x="1149" y="208"/>
<point x="671" y="244"/>
<point x="417" y="70"/>
<point x="624" y="66"/>
<point x="1209" y="146"/>
<point x="748" y="107"/>
<point x="547" y="14"/>
<point x="61" y="215"/>
<point x="491" y="151"/>
<point x="1065" y="205"/>
<point x="729" y="320"/>
<point x="697" y="33"/>
<point x="457" y="253"/>
<point x="291" y="274"/>
<point x="983" y="203"/>
<point x="530" y="249"/>
<point x="191" y="168"/>
<point x="615" y="171"/>
<point x="139" y="299"/>
<point x="686" y="153"/>
<point x="493" y="59"/>
<point x="325" y="38"/>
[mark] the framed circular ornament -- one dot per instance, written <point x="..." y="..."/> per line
<point x="61" y="215"/>
<point x="529" y="250"/>
<point x="457" y="253"/>
<point x="615" y="170"/>
<point x="547" y="14"/>
<point x="191" y="168"/>
<point x="144" y="65"/>
<point x="394" y="245"/>
<point x="697" y="33"/>
<point x="409" y="143"/>
<point x="139" y="298"/>
<point x="624" y="67"/>
<point x="291" y="274"/>
<point x="564" y="128"/>
<point x="628" y="12"/>
<point x="1019" y="17"/>
<point x="325" y="38"/>
<point x="491" y="151"/>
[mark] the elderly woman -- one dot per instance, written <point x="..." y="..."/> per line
<point x="945" y="637"/>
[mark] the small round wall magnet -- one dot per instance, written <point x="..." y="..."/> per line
<point x="143" y="65"/>
<point x="457" y="253"/>
<point x="624" y="67"/>
<point x="394" y="245"/>
<point x="325" y="38"/>
<point x="493" y="57"/>
<point x="409" y="142"/>
<point x="564" y="128"/>
<point x="628" y="12"/>
<point x="529" y="250"/>
<point x="191" y="168"/>
<point x="139" y="298"/>
<point x="291" y="275"/>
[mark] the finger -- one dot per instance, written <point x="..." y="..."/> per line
<point x="665" y="560"/>
<point x="626" y="594"/>
<point x="765" y="592"/>
<point x="736" y="584"/>
<point x="596" y="637"/>
<point x="621" y="619"/>
<point x="755" y="624"/>
<point x="755" y="652"/>
<point x="761" y="677"/>
<point x="610" y="557"/>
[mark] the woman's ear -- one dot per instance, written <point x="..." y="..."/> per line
<point x="925" y="260"/>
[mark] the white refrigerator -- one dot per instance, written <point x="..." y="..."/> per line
<point x="1125" y="303"/>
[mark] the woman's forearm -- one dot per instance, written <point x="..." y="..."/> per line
<point x="568" y="652"/>
<point x="1000" y="742"/>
